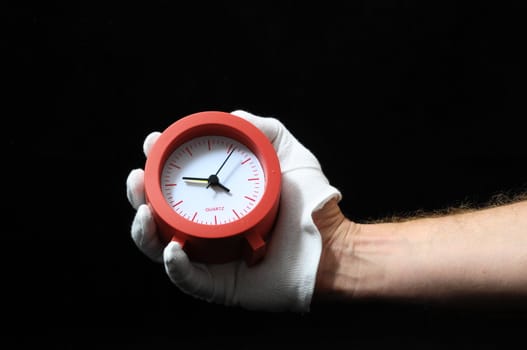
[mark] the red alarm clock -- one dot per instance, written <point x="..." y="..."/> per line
<point x="213" y="182"/>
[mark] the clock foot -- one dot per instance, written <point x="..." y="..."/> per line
<point x="255" y="249"/>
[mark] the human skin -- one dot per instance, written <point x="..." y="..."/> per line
<point x="466" y="255"/>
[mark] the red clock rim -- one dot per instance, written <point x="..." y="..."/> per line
<point x="213" y="123"/>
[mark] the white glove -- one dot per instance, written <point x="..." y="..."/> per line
<point x="285" y="279"/>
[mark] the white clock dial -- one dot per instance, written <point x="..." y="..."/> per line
<point x="212" y="180"/>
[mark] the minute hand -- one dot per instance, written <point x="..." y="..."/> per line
<point x="222" y="164"/>
<point x="225" y="161"/>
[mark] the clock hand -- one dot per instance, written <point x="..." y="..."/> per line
<point x="221" y="166"/>
<point x="211" y="181"/>
<point x="196" y="179"/>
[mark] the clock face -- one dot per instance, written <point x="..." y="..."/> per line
<point x="212" y="180"/>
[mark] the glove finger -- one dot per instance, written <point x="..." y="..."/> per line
<point x="269" y="126"/>
<point x="144" y="234"/>
<point x="193" y="279"/>
<point x="291" y="152"/>
<point x="149" y="141"/>
<point x="135" y="185"/>
<point x="135" y="188"/>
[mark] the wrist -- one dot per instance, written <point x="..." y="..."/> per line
<point x="371" y="261"/>
<point x="334" y="274"/>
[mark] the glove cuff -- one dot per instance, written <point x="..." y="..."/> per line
<point x="309" y="194"/>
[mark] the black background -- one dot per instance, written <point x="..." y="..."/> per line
<point x="407" y="105"/>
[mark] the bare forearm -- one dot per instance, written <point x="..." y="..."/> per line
<point x="478" y="253"/>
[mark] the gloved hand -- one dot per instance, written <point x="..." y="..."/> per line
<point x="285" y="279"/>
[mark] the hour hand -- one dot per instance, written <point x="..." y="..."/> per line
<point x="200" y="180"/>
<point x="209" y="181"/>
<point x="215" y="181"/>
